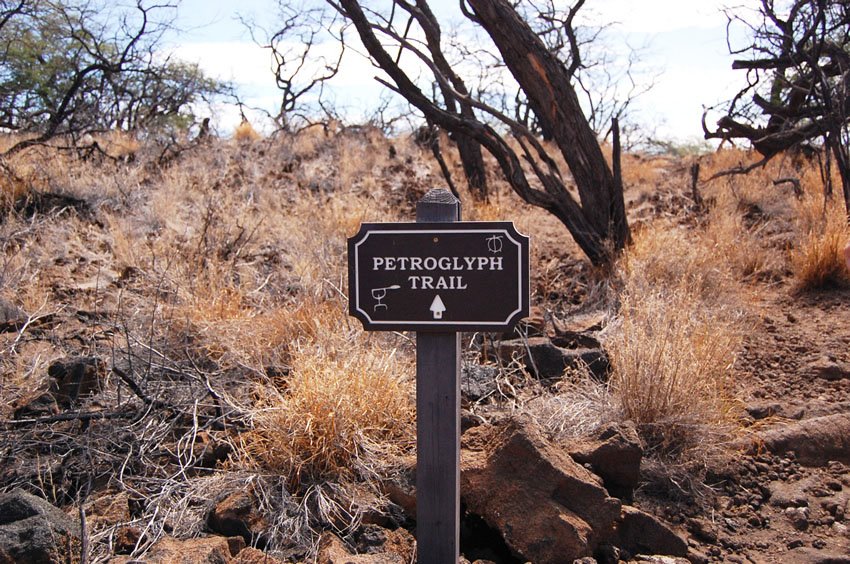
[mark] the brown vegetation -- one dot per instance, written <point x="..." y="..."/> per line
<point x="213" y="290"/>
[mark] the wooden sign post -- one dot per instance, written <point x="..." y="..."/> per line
<point x="437" y="277"/>
<point x="438" y="421"/>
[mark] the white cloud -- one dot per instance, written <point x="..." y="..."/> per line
<point x="687" y="42"/>
<point x="655" y="16"/>
<point x="242" y="62"/>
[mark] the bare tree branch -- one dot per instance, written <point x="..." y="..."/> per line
<point x="797" y="95"/>
<point x="597" y="224"/>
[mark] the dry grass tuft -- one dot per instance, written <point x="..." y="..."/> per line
<point x="672" y="257"/>
<point x="675" y="339"/>
<point x="738" y="229"/>
<point x="581" y="405"/>
<point x="11" y="190"/>
<point x="245" y="133"/>
<point x="818" y="260"/>
<point x="672" y="360"/>
<point x="120" y="144"/>
<point x="342" y="415"/>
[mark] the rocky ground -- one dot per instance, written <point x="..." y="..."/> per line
<point x="785" y="496"/>
<point x="123" y="447"/>
<point x="781" y="492"/>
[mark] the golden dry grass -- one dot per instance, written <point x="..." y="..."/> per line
<point x="665" y="255"/>
<point x="817" y="259"/>
<point x="234" y="257"/>
<point x="342" y="415"/>
<point x="672" y="359"/>
<point x="256" y="275"/>
<point x="674" y="338"/>
<point x="245" y="133"/>
<point x="683" y="295"/>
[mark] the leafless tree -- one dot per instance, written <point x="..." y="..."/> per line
<point x="608" y="76"/>
<point x="11" y="8"/>
<point x="396" y="38"/>
<point x="454" y="93"/>
<point x="299" y="71"/>
<point x="797" y="93"/>
<point x="307" y="49"/>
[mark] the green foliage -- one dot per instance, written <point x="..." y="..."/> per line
<point x="69" y="67"/>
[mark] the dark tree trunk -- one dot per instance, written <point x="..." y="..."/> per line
<point x="468" y="148"/>
<point x="545" y="81"/>
<point x="598" y="224"/>
<point x="473" y="166"/>
<point x="842" y="160"/>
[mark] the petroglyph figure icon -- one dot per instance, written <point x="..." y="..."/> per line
<point x="494" y="243"/>
<point x="381" y="293"/>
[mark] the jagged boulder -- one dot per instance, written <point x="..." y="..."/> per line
<point x="828" y="368"/>
<point x="32" y="531"/>
<point x="547" y="361"/>
<point x="641" y="533"/>
<point x="374" y="539"/>
<point x="614" y="454"/>
<point x="254" y="556"/>
<point x="40" y="404"/>
<point x="815" y="441"/>
<point x="547" y="507"/>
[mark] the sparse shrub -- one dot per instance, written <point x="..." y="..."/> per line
<point x="817" y="259"/>
<point x="674" y="340"/>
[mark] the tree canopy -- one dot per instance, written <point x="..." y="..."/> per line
<point x="70" y="67"/>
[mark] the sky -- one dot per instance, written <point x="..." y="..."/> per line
<point x="685" y="47"/>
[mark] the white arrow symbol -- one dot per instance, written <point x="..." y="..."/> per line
<point x="438" y="307"/>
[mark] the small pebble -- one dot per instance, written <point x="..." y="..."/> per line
<point x="799" y="517"/>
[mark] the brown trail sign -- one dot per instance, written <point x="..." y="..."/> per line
<point x="469" y="276"/>
<point x="438" y="276"/>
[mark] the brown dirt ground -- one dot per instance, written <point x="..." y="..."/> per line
<point x="764" y="507"/>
